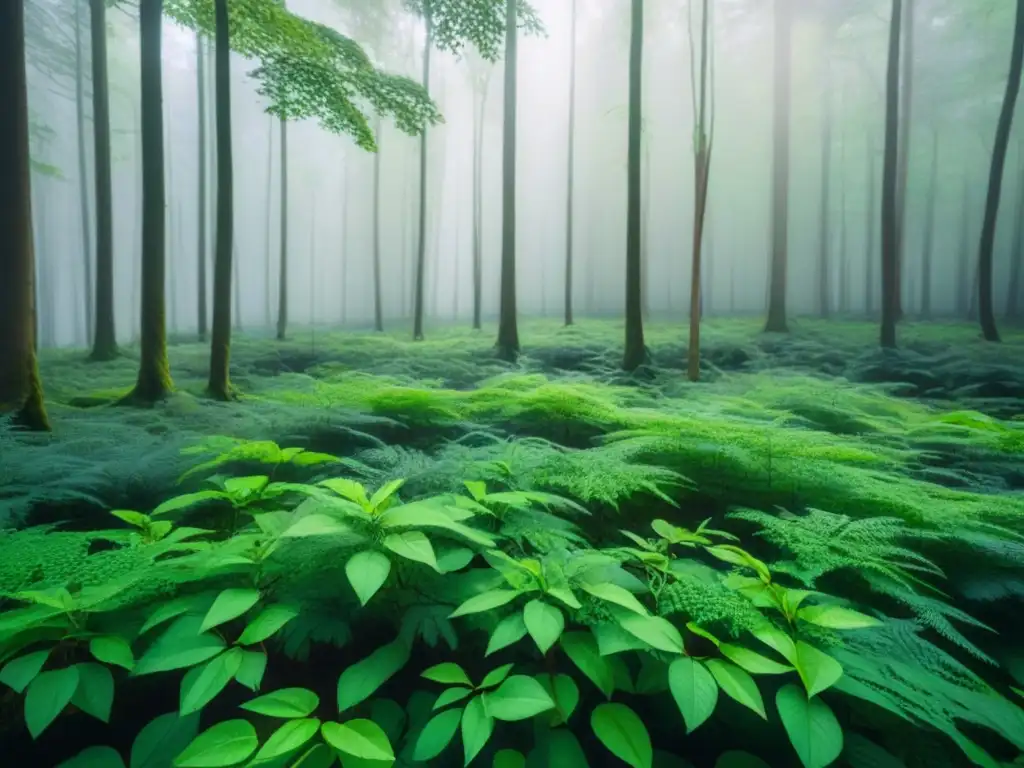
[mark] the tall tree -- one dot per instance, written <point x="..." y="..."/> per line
<point x="903" y="150"/>
<point x="282" y="280"/>
<point x="636" y="352"/>
<point x="421" y="241"/>
<point x="986" y="312"/>
<point x="928" y="243"/>
<point x="782" y="74"/>
<point x="571" y="171"/>
<point x="83" y="175"/>
<point x="508" y="328"/>
<point x="482" y="71"/>
<point x="870" y="228"/>
<point x="378" y="302"/>
<point x="21" y="392"/>
<point x="964" y="293"/>
<point x="1014" y="285"/>
<point x="843" y="262"/>
<point x="890" y="233"/>
<point x="824" y="230"/>
<point x="105" y="336"/>
<point x="201" y="176"/>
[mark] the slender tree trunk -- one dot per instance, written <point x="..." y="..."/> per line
<point x="707" y="262"/>
<point x="570" y="173"/>
<point x="268" y="278"/>
<point x="421" y="243"/>
<point x="21" y="392"/>
<point x="823" y="218"/>
<point x="508" y="329"/>
<point x="780" y="169"/>
<point x="105" y="336"/>
<point x="478" y="141"/>
<point x="378" y="302"/>
<point x="890" y="226"/>
<point x="83" y="175"/>
<point x="903" y="152"/>
<point x="929" y="232"/>
<point x="201" y="173"/>
<point x="635" y="351"/>
<point x="843" y="276"/>
<point x="645" y="226"/>
<point x="344" y="243"/>
<point x="282" y="282"/>
<point x="964" y="294"/>
<point x="138" y="236"/>
<point x="1013" y="287"/>
<point x="172" y="277"/>
<point x="870" y="227"/>
<point x="986" y="309"/>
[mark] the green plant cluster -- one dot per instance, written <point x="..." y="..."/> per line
<point x="540" y="635"/>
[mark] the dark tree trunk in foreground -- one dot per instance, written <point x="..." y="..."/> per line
<point x="154" y="382"/>
<point x="282" y="281"/>
<point x="201" y="246"/>
<point x="780" y="169"/>
<point x="903" y="152"/>
<point x="508" y="330"/>
<point x="105" y="336"/>
<point x="871" y="228"/>
<point x="571" y="174"/>
<point x="929" y="232"/>
<point x="220" y="344"/>
<point x="421" y="242"/>
<point x="823" y="219"/>
<point x="378" y="302"/>
<point x="890" y="234"/>
<point x="635" y="352"/>
<point x="986" y="312"/>
<point x="21" y="392"/>
<point x="83" y="175"/>
<point x="1013" y="287"/>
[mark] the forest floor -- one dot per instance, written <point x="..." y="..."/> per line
<point x="930" y="435"/>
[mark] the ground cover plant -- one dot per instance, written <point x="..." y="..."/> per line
<point x="390" y="553"/>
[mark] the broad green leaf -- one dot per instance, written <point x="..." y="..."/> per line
<point x="111" y="649"/>
<point x="46" y="697"/>
<point x="181" y="645"/>
<point x="389" y="715"/>
<point x="694" y="689"/>
<point x="477" y="727"/>
<point x="315" y="524"/>
<point x="778" y="640"/>
<point x="509" y="631"/>
<point x="544" y="622"/>
<point x="202" y="684"/>
<point x="834" y="617"/>
<point x="95" y="692"/>
<point x="817" y="669"/>
<point x="736" y="759"/>
<point x="509" y="758"/>
<point x="613" y="593"/>
<point x="581" y="648"/>
<point x="564" y="693"/>
<point x="360" y="681"/>
<point x="19" y="672"/>
<point x="286" y="702"/>
<point x="250" y="672"/>
<point x="318" y="756"/>
<point x="425" y="515"/>
<point x="436" y="734"/>
<point x="187" y="500"/>
<point x="657" y="632"/>
<point x="412" y="545"/>
<point x="57" y="598"/>
<point x="752" y="662"/>
<point x="486" y="601"/>
<point x="559" y="748"/>
<point x="162" y="738"/>
<point x="361" y="739"/>
<point x="813" y="730"/>
<point x="95" y="757"/>
<point x="367" y="571"/>
<point x="623" y="734"/>
<point x="241" y="488"/>
<point x="131" y="517"/>
<point x="447" y="673"/>
<point x="565" y="595"/>
<point x="230" y="604"/>
<point x="860" y="752"/>
<point x="612" y="638"/>
<point x="736" y="556"/>
<point x="451" y="696"/>
<point x="290" y="737"/>
<point x="496" y="676"/>
<point x="737" y="685"/>
<point x="477" y="488"/>
<point x="621" y="674"/>
<point x="518" y="698"/>
<point x="653" y="675"/>
<point x="267" y="623"/>
<point x="348" y="489"/>
<point x="454" y="559"/>
<point x="383" y="496"/>
<point x="170" y="610"/>
<point x="222" y="745"/>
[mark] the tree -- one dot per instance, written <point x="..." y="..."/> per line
<point x="986" y="311"/>
<point x="480" y="73"/>
<point x="201" y="176"/>
<point x="105" y="336"/>
<point x="1013" y="286"/>
<point x="824" y="229"/>
<point x="83" y="174"/>
<point x="571" y="172"/>
<point x="378" y="304"/>
<point x="890" y="233"/>
<point x="282" y="283"/>
<point x="508" y="329"/>
<point x="903" y="150"/>
<point x="870" y="227"/>
<point x="780" y="168"/>
<point x="929" y="231"/>
<point x="21" y="392"/>
<point x="421" y="239"/>
<point x="636" y="351"/>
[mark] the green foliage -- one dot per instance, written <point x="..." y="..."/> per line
<point x="481" y="23"/>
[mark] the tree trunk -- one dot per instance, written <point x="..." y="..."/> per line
<point x="890" y="227"/>
<point x="843" y="267"/>
<point x="83" y="175"/>
<point x="105" y="336"/>
<point x="508" y="330"/>
<point x="1013" y="287"/>
<point x="343" y="293"/>
<point x="478" y="245"/>
<point x="378" y="303"/>
<point x="645" y="226"/>
<point x="201" y="170"/>
<point x="21" y="392"/>
<point x="570" y="173"/>
<point x="823" y="217"/>
<point x="963" y="292"/>
<point x="903" y="151"/>
<point x="870" y="227"/>
<point x="635" y="352"/>
<point x="421" y="243"/>
<point x="268" y="280"/>
<point x="282" y="282"/>
<point x="780" y="169"/>
<point x="929" y="232"/>
<point x="172" y="278"/>
<point x="986" y="311"/>
<point x="707" y="261"/>
<point x="154" y="382"/>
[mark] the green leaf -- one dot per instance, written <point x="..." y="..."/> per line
<point x="230" y="604"/>
<point x="363" y="739"/>
<point x="454" y="559"/>
<point x="834" y="617"/>
<point x="559" y="748"/>
<point x="447" y="673"/>
<point x="581" y="648"/>
<point x="818" y="670"/>
<point x="187" y="500"/>
<point x="267" y="623"/>
<point x="319" y="756"/>
<point x="290" y="737"/>
<point x="487" y="601"/>
<point x="509" y="631"/>
<point x="425" y="515"/>
<point x="111" y="649"/>
<point x="412" y="545"/>
<point x="778" y="640"/>
<point x="131" y="517"/>
<point x="250" y="672"/>
<point x="222" y="745"/>
<point x="19" y="672"/>
<point x="612" y="639"/>
<point x="181" y="645"/>
<point x="95" y="692"/>
<point x="382" y="497"/>
<point x="46" y="697"/>
<point x="544" y="622"/>
<point x="813" y="730"/>
<point x="169" y="610"/>
<point x="623" y="734"/>
<point x="202" y="684"/>
<point x="315" y="525"/>
<point x="694" y="689"/>
<point x="509" y="758"/>
<point x="161" y="738"/>
<point x="94" y="757"/>
<point x="389" y="715"/>
<point x="286" y="702"/>
<point x="752" y="662"/>
<point x="736" y="759"/>
<point x="477" y="727"/>
<point x="348" y="489"/>
<point x="495" y="676"/>
<point x="736" y="556"/>
<point x="657" y="632"/>
<point x="436" y="734"/>
<point x="737" y="685"/>
<point x="360" y="681"/>
<point x="565" y="595"/>
<point x="477" y="488"/>
<point x="519" y="697"/>
<point x="451" y="696"/>
<point x="367" y="571"/>
<point x="613" y="593"/>
<point x="564" y="692"/>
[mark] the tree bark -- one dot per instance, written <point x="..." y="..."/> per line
<point x="268" y="279"/>
<point x="1013" y="287"/>
<point x="903" y="151"/>
<point x="890" y="226"/>
<point x="201" y="171"/>
<point x="21" y="392"/>
<point x="843" y="266"/>
<point x="421" y="243"/>
<point x="823" y="218"/>
<point x="83" y="176"/>
<point x="378" y="302"/>
<point x="508" y="330"/>
<point x="570" y="173"/>
<point x="282" y="282"/>
<point x="929" y="232"/>
<point x="780" y="169"/>
<point x="478" y="225"/>
<point x="635" y="352"/>
<point x="870" y="227"/>
<point x="964" y="294"/>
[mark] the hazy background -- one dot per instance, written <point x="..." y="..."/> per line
<point x="961" y="57"/>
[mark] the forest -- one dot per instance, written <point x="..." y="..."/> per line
<point x="511" y="383"/>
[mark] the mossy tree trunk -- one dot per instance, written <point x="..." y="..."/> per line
<point x="83" y="175"/>
<point x="21" y="392"/>
<point x="421" y="240"/>
<point x="635" y="352"/>
<point x="890" y="228"/>
<point x="508" y="327"/>
<point x="571" y="173"/>
<point x="780" y="168"/>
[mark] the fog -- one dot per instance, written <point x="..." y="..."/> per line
<point x="960" y="61"/>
